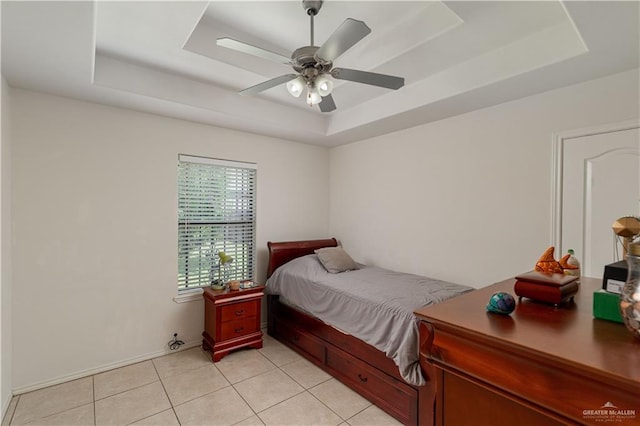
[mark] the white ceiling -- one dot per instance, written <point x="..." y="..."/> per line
<point x="455" y="56"/>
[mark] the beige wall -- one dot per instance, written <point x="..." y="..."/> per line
<point x="466" y="199"/>
<point x="94" y="216"/>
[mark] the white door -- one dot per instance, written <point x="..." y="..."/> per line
<point x="600" y="183"/>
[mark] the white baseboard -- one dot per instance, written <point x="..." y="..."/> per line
<point x="100" y="369"/>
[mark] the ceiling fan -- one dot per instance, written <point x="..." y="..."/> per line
<point x="314" y="65"/>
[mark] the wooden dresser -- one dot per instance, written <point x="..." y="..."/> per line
<point x="540" y="365"/>
<point x="231" y="320"/>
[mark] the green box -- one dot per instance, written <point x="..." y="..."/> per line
<point x="606" y="306"/>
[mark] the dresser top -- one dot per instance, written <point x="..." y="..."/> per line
<point x="568" y="334"/>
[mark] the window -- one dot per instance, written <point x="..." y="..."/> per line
<point x="216" y="213"/>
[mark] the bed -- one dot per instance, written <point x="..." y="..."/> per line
<point x="385" y="372"/>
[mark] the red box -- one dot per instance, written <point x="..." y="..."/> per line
<point x="548" y="288"/>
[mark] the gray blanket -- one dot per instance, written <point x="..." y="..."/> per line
<point x="373" y="304"/>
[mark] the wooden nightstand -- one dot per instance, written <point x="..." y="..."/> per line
<point x="231" y="320"/>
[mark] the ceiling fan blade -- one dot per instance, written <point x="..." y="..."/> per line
<point x="327" y="104"/>
<point x="240" y="46"/>
<point x="375" y="79"/>
<point x="342" y="39"/>
<point x="267" y="84"/>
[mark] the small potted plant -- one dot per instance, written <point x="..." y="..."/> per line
<point x="223" y="262"/>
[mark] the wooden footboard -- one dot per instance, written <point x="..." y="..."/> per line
<point x="358" y="365"/>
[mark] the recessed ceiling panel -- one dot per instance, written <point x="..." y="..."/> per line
<point x="455" y="56"/>
<point x="397" y="27"/>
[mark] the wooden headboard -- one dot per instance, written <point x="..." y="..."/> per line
<point x="282" y="252"/>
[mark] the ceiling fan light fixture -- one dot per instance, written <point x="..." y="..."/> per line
<point x="313" y="65"/>
<point x="296" y="86"/>
<point x="313" y="97"/>
<point x="324" y="85"/>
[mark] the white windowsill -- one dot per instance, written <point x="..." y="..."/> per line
<point x="189" y="295"/>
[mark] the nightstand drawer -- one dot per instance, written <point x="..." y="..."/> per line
<point x="238" y="311"/>
<point x="239" y="328"/>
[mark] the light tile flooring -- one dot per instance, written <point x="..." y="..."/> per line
<point x="270" y="386"/>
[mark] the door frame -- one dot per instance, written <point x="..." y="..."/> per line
<point x="558" y="141"/>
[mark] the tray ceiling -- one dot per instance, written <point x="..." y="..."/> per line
<point x="161" y="57"/>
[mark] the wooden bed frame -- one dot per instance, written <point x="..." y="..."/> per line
<point x="355" y="363"/>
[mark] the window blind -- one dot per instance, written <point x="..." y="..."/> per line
<point x="216" y="213"/>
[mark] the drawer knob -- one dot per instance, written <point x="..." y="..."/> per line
<point x="239" y="329"/>
<point x="362" y="378"/>
<point x="240" y="312"/>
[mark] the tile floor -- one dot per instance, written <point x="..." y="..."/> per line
<point x="270" y="386"/>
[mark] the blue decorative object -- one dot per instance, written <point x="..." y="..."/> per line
<point x="501" y="303"/>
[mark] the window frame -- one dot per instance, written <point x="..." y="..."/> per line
<point x="228" y="222"/>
